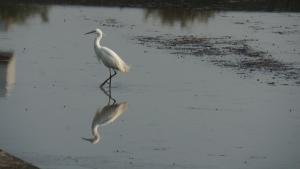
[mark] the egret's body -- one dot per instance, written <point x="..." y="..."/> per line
<point x="109" y="58"/>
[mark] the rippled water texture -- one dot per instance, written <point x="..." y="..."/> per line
<point x="172" y="110"/>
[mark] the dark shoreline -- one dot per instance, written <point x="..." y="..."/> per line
<point x="8" y="161"/>
<point x="237" y="5"/>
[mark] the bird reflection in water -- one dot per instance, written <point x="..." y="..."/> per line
<point x="106" y="115"/>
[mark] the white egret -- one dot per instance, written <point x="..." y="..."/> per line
<point x="109" y="58"/>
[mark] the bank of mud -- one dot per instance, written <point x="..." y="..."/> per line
<point x="8" y="161"/>
<point x="227" y="52"/>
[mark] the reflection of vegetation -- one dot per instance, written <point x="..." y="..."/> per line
<point x="270" y="5"/>
<point x="265" y="5"/>
<point x="10" y="14"/>
<point x="169" y="16"/>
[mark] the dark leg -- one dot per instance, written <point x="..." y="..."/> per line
<point x="109" y="90"/>
<point x="110" y="80"/>
<point x="114" y="101"/>
<point x="115" y="73"/>
<point x="111" y="98"/>
<point x="108" y="94"/>
<point x="110" y="76"/>
<point x="102" y="84"/>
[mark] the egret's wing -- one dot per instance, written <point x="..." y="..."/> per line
<point x="112" y="59"/>
<point x="107" y="56"/>
<point x="110" y="52"/>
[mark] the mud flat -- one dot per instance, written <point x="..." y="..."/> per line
<point x="226" y="52"/>
<point x="8" y="161"/>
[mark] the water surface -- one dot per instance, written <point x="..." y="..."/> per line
<point x="182" y="112"/>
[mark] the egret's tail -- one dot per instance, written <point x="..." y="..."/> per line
<point x="127" y="68"/>
<point x="124" y="68"/>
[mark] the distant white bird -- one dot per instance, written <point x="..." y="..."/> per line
<point x="104" y="116"/>
<point x="109" y="58"/>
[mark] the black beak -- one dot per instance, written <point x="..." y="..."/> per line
<point x="86" y="139"/>
<point x="90" y="32"/>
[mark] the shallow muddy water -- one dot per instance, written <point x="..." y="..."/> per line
<point x="173" y="111"/>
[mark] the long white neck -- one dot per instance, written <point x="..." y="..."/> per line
<point x="97" y="41"/>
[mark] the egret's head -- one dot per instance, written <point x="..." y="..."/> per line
<point x="97" y="31"/>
